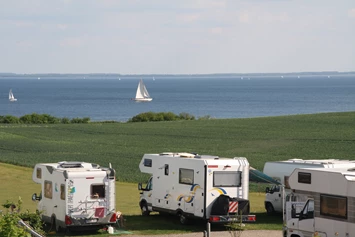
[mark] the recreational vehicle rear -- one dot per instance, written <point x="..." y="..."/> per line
<point x="75" y="194"/>
<point x="281" y="170"/>
<point x="196" y="186"/>
<point x="329" y="208"/>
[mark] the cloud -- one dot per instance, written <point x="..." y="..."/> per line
<point x="263" y="16"/>
<point x="189" y="17"/>
<point x="62" y="26"/>
<point x="216" y="30"/>
<point x="244" y="17"/>
<point x="351" y="13"/>
<point x="71" y="42"/>
<point x="23" y="24"/>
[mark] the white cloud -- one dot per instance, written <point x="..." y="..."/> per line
<point x="216" y="30"/>
<point x="189" y="17"/>
<point x="351" y="13"/>
<point x="23" y="24"/>
<point x="71" y="42"/>
<point x="244" y="17"/>
<point x="62" y="26"/>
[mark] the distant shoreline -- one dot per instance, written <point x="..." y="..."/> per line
<point x="81" y="75"/>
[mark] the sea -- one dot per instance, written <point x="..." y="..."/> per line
<point x="109" y="98"/>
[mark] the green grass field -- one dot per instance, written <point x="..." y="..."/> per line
<point x="18" y="182"/>
<point x="316" y="136"/>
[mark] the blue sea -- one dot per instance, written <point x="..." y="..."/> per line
<point x="109" y="98"/>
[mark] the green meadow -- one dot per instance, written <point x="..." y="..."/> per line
<point x="314" y="136"/>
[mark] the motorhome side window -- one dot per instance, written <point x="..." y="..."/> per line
<point x="39" y="173"/>
<point x="333" y="206"/>
<point x="227" y="179"/>
<point x="186" y="176"/>
<point x="48" y="189"/>
<point x="97" y="190"/>
<point x="166" y="169"/>
<point x="148" y="162"/>
<point x="304" y="178"/>
<point x="62" y="191"/>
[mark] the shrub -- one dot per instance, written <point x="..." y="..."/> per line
<point x="186" y="116"/>
<point x="65" y="120"/>
<point x="10" y="119"/>
<point x="162" y="116"/>
<point x="9" y="221"/>
<point x="41" y="119"/>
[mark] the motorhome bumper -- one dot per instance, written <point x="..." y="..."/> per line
<point x="75" y="221"/>
<point x="228" y="219"/>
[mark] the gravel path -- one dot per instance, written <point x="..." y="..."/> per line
<point x="246" y="233"/>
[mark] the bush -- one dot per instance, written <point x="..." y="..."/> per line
<point x="9" y="221"/>
<point x="162" y="116"/>
<point x="65" y="120"/>
<point x="186" y="116"/>
<point x="9" y="119"/>
<point x="41" y="119"/>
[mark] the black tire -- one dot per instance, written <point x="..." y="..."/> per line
<point x="183" y="219"/>
<point x="144" y="209"/>
<point x="269" y="209"/>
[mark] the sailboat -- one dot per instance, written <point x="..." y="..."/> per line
<point x="11" y="96"/>
<point x="142" y="93"/>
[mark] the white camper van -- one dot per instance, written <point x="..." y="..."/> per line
<point x="196" y="186"/>
<point x="75" y="194"/>
<point x="281" y="170"/>
<point x="329" y="208"/>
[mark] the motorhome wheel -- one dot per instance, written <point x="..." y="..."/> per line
<point x="144" y="209"/>
<point x="269" y="209"/>
<point x="183" y="219"/>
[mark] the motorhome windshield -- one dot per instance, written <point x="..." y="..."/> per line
<point x="227" y="178"/>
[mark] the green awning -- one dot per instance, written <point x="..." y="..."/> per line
<point x="259" y="177"/>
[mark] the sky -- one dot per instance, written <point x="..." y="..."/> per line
<point x="176" y="36"/>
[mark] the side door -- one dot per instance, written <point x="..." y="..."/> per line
<point x="148" y="193"/>
<point x="306" y="218"/>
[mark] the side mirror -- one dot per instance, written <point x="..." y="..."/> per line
<point x="139" y="186"/>
<point x="267" y="190"/>
<point x="34" y="197"/>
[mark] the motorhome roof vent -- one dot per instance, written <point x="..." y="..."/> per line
<point x="166" y="154"/>
<point x="295" y="159"/>
<point x="207" y="157"/>
<point x="186" y="155"/>
<point x="71" y="164"/>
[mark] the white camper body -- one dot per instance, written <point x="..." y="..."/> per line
<point x="329" y="208"/>
<point x="281" y="170"/>
<point x="75" y="194"/>
<point x="196" y="186"/>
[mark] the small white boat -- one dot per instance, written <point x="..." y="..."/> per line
<point x="11" y="96"/>
<point x="142" y="93"/>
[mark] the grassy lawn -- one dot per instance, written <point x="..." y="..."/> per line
<point x="18" y="183"/>
<point x="315" y="136"/>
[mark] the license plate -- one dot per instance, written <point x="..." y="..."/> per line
<point x="91" y="221"/>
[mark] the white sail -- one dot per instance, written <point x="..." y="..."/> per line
<point x="11" y="96"/>
<point x="142" y="93"/>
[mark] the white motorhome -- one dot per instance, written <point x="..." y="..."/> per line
<point x="281" y="170"/>
<point x="329" y="208"/>
<point x="196" y="186"/>
<point x="75" y="194"/>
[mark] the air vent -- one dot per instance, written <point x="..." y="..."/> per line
<point x="70" y="165"/>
